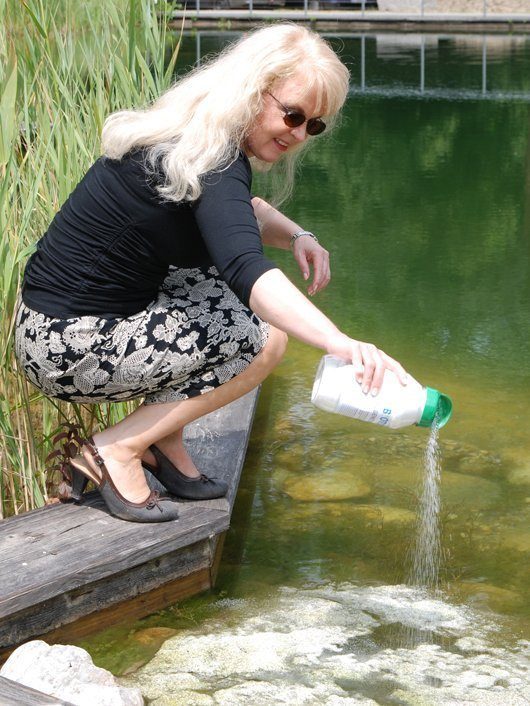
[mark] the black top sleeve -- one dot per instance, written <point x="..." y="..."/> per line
<point x="229" y="229"/>
<point x="110" y="246"/>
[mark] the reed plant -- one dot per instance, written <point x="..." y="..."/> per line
<point x="64" y="66"/>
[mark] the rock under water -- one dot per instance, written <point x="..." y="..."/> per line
<point x="328" y="646"/>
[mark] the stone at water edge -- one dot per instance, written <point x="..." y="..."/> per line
<point x="297" y="646"/>
<point x="153" y="636"/>
<point x="68" y="673"/>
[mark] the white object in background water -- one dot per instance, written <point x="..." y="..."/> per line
<point x="336" y="390"/>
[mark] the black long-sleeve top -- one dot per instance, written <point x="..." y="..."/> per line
<point x="110" y="246"/>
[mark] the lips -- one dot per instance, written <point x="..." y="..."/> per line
<point x="280" y="144"/>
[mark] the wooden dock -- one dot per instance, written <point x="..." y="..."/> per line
<point x="69" y="570"/>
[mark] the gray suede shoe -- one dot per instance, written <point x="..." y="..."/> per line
<point x="153" y="509"/>
<point x="180" y="485"/>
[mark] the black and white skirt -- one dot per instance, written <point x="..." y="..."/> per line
<point x="195" y="336"/>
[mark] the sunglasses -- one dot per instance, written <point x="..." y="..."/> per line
<point x="294" y="118"/>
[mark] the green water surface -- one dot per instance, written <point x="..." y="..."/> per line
<point x="422" y="196"/>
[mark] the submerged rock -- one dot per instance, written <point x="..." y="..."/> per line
<point x="382" y="515"/>
<point x="329" y="486"/>
<point x="457" y="489"/>
<point x="518" y="540"/>
<point x="494" y="597"/>
<point x="479" y="462"/>
<point x="68" y="673"/>
<point x="519" y="475"/>
<point x="152" y="636"/>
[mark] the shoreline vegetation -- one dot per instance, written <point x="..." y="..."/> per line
<point x="64" y="66"/>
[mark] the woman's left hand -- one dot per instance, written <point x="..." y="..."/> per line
<point x="308" y="253"/>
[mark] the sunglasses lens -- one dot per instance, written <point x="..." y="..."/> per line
<point x="293" y="118"/>
<point x="315" y="126"/>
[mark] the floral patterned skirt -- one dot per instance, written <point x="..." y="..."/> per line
<point x="193" y="337"/>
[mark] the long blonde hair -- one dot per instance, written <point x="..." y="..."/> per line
<point x="201" y="122"/>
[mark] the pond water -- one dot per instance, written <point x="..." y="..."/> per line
<point x="422" y="196"/>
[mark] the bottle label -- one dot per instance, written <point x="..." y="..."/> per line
<point x="374" y="416"/>
<point x="385" y="417"/>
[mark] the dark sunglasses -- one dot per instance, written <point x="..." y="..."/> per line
<point x="294" y="118"/>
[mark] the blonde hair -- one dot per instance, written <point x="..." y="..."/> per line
<point x="201" y="122"/>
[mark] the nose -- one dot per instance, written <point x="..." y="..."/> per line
<point x="300" y="132"/>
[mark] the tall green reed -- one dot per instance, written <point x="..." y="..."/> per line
<point x="64" y="66"/>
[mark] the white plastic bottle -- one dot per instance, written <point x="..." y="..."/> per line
<point x="336" y="390"/>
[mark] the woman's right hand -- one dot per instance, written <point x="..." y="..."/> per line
<point x="275" y="299"/>
<point x="369" y="362"/>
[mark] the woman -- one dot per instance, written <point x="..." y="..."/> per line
<point x="151" y="280"/>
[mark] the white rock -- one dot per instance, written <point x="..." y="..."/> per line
<point x="410" y="607"/>
<point x="67" y="672"/>
<point x="187" y="698"/>
<point x="167" y="686"/>
<point x="258" y="693"/>
<point x="315" y="646"/>
<point x="479" y="681"/>
<point x="472" y="644"/>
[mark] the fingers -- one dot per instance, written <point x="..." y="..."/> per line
<point x="396" y="367"/>
<point x="369" y="365"/>
<point x="373" y="368"/>
<point x="309" y="254"/>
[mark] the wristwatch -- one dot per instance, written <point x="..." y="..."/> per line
<point x="299" y="234"/>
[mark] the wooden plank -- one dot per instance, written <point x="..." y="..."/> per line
<point x="69" y="606"/>
<point x="195" y="577"/>
<point x="38" y="576"/>
<point x="14" y="694"/>
<point x="59" y="563"/>
<point x="139" y="607"/>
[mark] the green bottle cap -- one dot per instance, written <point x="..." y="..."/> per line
<point x="436" y="402"/>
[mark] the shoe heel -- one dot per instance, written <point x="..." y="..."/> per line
<point x="152" y="509"/>
<point x="79" y="484"/>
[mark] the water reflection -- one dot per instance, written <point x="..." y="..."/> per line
<point x="435" y="66"/>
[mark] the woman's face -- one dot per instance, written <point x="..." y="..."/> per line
<point x="270" y="137"/>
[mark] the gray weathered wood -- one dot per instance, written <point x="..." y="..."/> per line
<point x="61" y="562"/>
<point x="90" y="597"/>
<point x="14" y="694"/>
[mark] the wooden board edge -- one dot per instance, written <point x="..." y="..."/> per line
<point x="138" y="607"/>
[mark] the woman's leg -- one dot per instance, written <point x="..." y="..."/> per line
<point x="123" y="445"/>
<point x="172" y="446"/>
